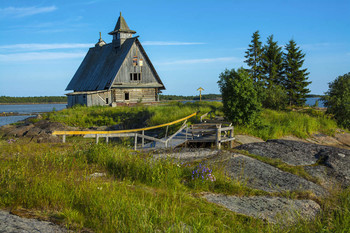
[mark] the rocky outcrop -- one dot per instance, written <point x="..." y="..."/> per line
<point x="40" y="131"/>
<point x="11" y="223"/>
<point x="259" y="175"/>
<point x="329" y="166"/>
<point x="272" y="209"/>
<point x="335" y="162"/>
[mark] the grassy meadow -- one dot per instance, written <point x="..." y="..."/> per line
<point x="111" y="188"/>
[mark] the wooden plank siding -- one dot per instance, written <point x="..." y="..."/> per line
<point x="123" y="75"/>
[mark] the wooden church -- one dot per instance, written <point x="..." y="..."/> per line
<point x="115" y="74"/>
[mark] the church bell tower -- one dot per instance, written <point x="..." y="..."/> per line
<point x="121" y="32"/>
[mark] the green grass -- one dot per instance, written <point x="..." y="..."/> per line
<point x="276" y="124"/>
<point x="139" y="194"/>
<point x="129" y="117"/>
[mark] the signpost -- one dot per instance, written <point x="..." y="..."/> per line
<point x="200" y="93"/>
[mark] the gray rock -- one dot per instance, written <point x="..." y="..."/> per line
<point x="259" y="175"/>
<point x="187" y="155"/>
<point x="301" y="153"/>
<point x="272" y="209"/>
<point x="11" y="223"/>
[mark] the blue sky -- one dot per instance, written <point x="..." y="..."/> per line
<point x="42" y="43"/>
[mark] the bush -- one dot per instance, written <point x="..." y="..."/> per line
<point x="275" y="98"/>
<point x="337" y="100"/>
<point x="239" y="97"/>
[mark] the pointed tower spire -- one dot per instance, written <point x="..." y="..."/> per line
<point x="121" y="32"/>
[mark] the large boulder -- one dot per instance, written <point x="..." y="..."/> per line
<point x="335" y="160"/>
<point x="259" y="175"/>
<point x="273" y="209"/>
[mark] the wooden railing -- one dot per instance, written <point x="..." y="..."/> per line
<point x="129" y="132"/>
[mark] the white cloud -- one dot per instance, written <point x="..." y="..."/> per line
<point x="316" y="46"/>
<point x="203" y="60"/>
<point x="170" y="43"/>
<point x="25" y="11"/>
<point x="17" y="57"/>
<point x="36" y="47"/>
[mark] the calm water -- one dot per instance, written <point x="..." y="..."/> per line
<point x="312" y="101"/>
<point x="28" y="109"/>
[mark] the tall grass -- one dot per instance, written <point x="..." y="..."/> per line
<point x="276" y="124"/>
<point x="138" y="194"/>
<point x="129" y="117"/>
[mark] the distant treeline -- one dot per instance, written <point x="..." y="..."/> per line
<point x="181" y="97"/>
<point x="37" y="99"/>
<point x="314" y="96"/>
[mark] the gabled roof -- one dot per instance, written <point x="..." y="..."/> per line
<point x="121" y="26"/>
<point x="101" y="65"/>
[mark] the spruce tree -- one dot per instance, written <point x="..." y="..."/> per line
<point x="296" y="78"/>
<point x="253" y="56"/>
<point x="272" y="63"/>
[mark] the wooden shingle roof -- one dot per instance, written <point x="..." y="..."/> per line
<point x="101" y="65"/>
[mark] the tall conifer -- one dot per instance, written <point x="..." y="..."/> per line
<point x="296" y="78"/>
<point x="272" y="63"/>
<point x="253" y="56"/>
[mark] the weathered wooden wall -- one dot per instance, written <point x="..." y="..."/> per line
<point x="127" y="67"/>
<point x="135" y="95"/>
<point x="115" y="95"/>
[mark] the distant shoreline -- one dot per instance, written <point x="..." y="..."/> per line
<point x="33" y="103"/>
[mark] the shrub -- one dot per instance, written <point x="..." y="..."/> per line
<point x="337" y="100"/>
<point x="239" y="97"/>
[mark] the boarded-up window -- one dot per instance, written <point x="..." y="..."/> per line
<point x="126" y="95"/>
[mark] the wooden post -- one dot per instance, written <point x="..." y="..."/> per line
<point x="135" y="147"/>
<point x="231" y="136"/>
<point x="64" y="138"/>
<point x="218" y="137"/>
<point x="143" y="139"/>
<point x="166" y="131"/>
<point x="97" y="138"/>
<point x="107" y="140"/>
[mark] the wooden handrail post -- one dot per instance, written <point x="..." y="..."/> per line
<point x="143" y="139"/>
<point x="97" y="136"/>
<point x="166" y="131"/>
<point x="135" y="147"/>
<point x="64" y="138"/>
<point x="218" y="137"/>
<point x="231" y="136"/>
<point x="107" y="140"/>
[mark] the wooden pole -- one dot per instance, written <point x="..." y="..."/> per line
<point x="97" y="138"/>
<point x="135" y="147"/>
<point x="166" y="131"/>
<point x="143" y="139"/>
<point x="107" y="140"/>
<point x="64" y="138"/>
<point x="231" y="136"/>
<point x="218" y="137"/>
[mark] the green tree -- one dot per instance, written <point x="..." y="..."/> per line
<point x="295" y="81"/>
<point x="239" y="97"/>
<point x="337" y="100"/>
<point x="275" y="97"/>
<point x="272" y="63"/>
<point x="253" y="56"/>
